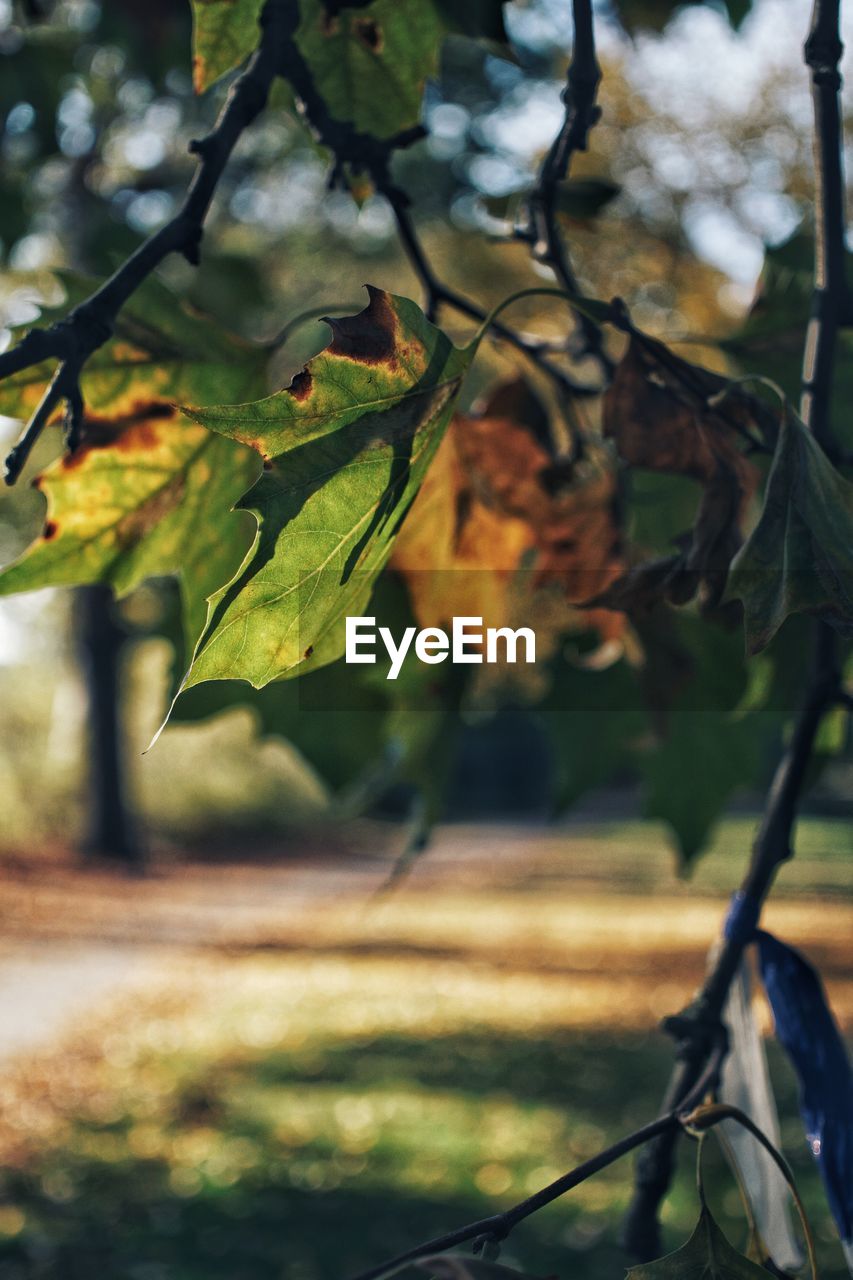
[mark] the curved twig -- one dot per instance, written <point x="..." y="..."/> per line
<point x="543" y="229"/>
<point x="499" y="1225"/>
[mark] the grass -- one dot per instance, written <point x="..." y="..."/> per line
<point x="373" y="1078"/>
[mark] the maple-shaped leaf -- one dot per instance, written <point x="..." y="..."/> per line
<point x="346" y="447"/>
<point x="161" y="349"/>
<point x="498" y="532"/>
<point x="657" y="411"/>
<point x="143" y="496"/>
<point x="225" y="32"/>
<point x="570" y="508"/>
<point x="369" y="63"/>
<point x="595" y="721"/>
<point x="798" y="557"/>
<point x="147" y="493"/>
<point x="707" y="1255"/>
<point x="457" y="555"/>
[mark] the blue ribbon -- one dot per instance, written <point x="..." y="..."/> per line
<point x="808" y="1032"/>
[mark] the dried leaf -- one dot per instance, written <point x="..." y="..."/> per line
<point x="495" y="522"/>
<point x="657" y="412"/>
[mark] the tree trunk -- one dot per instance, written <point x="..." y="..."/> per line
<point x="111" y="830"/>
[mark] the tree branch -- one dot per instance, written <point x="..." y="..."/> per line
<point x="582" y="113"/>
<point x="88" y="326"/>
<point x="772" y="845"/>
<point x="363" y="153"/>
<point x="499" y="1225"/>
<point x="437" y="293"/>
<point x="831" y="301"/>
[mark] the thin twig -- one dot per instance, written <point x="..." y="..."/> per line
<point x="582" y="112"/>
<point x="363" y="153"/>
<point x="88" y="326"/>
<point x="773" y="843"/>
<point x="437" y="293"/>
<point x="823" y="52"/>
<point x="499" y="1225"/>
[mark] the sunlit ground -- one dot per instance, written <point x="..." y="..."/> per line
<point x="327" y="1080"/>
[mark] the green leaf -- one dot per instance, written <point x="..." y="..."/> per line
<point x="798" y="557"/>
<point x="225" y="32"/>
<point x="148" y="493"/>
<point x="713" y="730"/>
<point x="346" y="447"/>
<point x="162" y="350"/>
<point x="360" y="732"/>
<point x="706" y="1256"/>
<point x="369" y="63"/>
<point x="705" y="756"/>
<point x="142" y="497"/>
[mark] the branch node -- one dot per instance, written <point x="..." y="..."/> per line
<point x="201" y="147"/>
<point x="488" y="1245"/>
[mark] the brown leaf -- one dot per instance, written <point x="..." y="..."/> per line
<point x="493" y="499"/>
<point x="456" y="554"/>
<point x="657" y="411"/>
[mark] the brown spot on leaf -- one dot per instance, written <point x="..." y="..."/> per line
<point x="260" y="447"/>
<point x="369" y="337"/>
<point x="308" y="651"/>
<point x="51" y="529"/>
<point x="369" y="33"/>
<point x="128" y="433"/>
<point x="300" y="385"/>
<point x="140" y="436"/>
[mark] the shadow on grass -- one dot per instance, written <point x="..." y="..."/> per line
<point x="248" y="1171"/>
